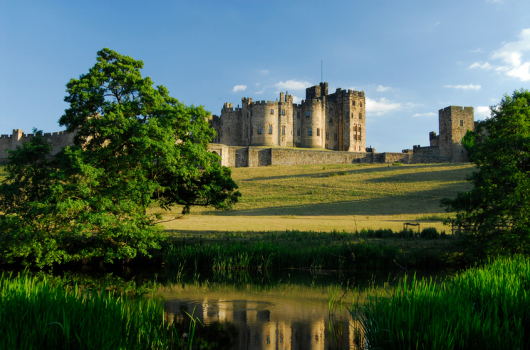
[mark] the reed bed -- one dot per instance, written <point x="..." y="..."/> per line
<point x="265" y="255"/>
<point x="481" y="308"/>
<point x="38" y="314"/>
<point x="357" y="251"/>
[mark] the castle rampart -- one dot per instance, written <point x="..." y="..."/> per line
<point x="58" y="140"/>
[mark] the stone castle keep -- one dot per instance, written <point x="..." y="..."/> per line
<point x="331" y="121"/>
<point x="323" y="129"/>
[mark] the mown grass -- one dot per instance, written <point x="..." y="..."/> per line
<point x="348" y="189"/>
<point x="340" y="197"/>
<point x="482" y="308"/>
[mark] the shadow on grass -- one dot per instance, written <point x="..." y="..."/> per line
<point x="420" y="202"/>
<point x="363" y="169"/>
<point x="454" y="174"/>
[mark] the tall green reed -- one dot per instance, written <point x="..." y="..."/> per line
<point x="38" y="314"/>
<point x="482" y="308"/>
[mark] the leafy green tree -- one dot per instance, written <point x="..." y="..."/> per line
<point x="135" y="148"/>
<point x="497" y="210"/>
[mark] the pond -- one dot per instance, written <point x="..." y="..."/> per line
<point x="290" y="309"/>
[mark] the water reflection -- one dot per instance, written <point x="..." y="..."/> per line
<point x="279" y="318"/>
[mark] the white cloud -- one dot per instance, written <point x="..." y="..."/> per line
<point x="464" y="87"/>
<point x="238" y="88"/>
<point x="382" y="88"/>
<point x="296" y="99"/>
<point x="512" y="55"/>
<point x="264" y="71"/>
<point x="381" y="107"/>
<point x="476" y="51"/>
<point x="428" y="114"/>
<point x="483" y="111"/>
<point x="481" y="65"/>
<point x="292" y="85"/>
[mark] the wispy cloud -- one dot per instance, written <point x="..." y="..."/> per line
<point x="264" y="71"/>
<point x="382" y="88"/>
<point x="464" y="87"/>
<point x="483" y="111"/>
<point x="428" y="114"/>
<point x="476" y="50"/>
<point x="292" y="85"/>
<point x="512" y="55"/>
<point x="238" y="88"/>
<point x="381" y="106"/>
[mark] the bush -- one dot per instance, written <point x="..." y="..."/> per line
<point x="429" y="233"/>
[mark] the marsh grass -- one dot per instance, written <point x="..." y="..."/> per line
<point x="482" y="308"/>
<point x="357" y="251"/>
<point x="38" y="314"/>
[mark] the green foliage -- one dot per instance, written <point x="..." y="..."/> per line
<point x="135" y="147"/>
<point x="430" y="233"/>
<point x="483" y="308"/>
<point x="38" y="314"/>
<point x="496" y="211"/>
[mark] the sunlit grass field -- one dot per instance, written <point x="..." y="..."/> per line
<point x="339" y="197"/>
<point x="334" y="197"/>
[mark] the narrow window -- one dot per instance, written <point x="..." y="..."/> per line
<point x="272" y="111"/>
<point x="259" y="129"/>
<point x="335" y="136"/>
<point x="318" y="131"/>
<point x="327" y="135"/>
<point x="310" y="132"/>
<point x="353" y="103"/>
<point x="360" y="116"/>
<point x="283" y="130"/>
<point x="360" y="104"/>
<point x="461" y="123"/>
<point x="347" y="114"/>
<point x="270" y="129"/>
<point x="283" y="111"/>
<point x="307" y="113"/>
<point x="298" y="132"/>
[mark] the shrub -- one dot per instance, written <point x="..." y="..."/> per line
<point x="429" y="233"/>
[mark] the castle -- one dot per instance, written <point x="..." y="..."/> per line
<point x="321" y="122"/>
<point x="330" y="121"/>
<point x="285" y="133"/>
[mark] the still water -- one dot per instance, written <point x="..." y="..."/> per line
<point x="291" y="312"/>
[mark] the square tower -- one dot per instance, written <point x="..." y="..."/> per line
<point x="454" y="122"/>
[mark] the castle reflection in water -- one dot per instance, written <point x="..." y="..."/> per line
<point x="279" y="326"/>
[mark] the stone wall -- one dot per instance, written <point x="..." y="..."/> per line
<point x="18" y="138"/>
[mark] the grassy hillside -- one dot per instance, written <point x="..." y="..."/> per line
<point x="342" y="197"/>
<point x="332" y="197"/>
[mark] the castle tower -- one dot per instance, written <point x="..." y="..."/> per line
<point x="454" y="122"/>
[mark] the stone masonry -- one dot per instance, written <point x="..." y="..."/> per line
<point x="333" y="125"/>
<point x="327" y="121"/>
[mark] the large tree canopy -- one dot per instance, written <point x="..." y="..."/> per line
<point x="135" y="147"/>
<point x="497" y="210"/>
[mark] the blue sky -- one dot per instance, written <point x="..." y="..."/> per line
<point x="411" y="58"/>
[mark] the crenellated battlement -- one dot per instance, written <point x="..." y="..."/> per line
<point x="58" y="140"/>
